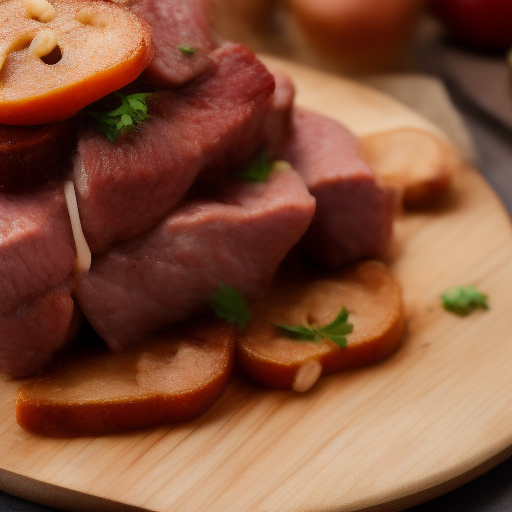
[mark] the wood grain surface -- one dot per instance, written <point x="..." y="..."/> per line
<point x="431" y="417"/>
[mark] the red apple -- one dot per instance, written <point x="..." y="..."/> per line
<point x="484" y="24"/>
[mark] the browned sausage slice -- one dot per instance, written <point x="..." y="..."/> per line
<point x="367" y="290"/>
<point x="171" y="377"/>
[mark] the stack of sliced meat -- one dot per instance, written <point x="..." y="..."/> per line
<point x="163" y="211"/>
<point x="36" y="259"/>
<point x="201" y="132"/>
<point x="167" y="273"/>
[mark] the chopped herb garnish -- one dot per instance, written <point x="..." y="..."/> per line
<point x="227" y="303"/>
<point x="463" y="300"/>
<point x="259" y="170"/>
<point x="186" y="50"/>
<point x="133" y="110"/>
<point x="335" y="331"/>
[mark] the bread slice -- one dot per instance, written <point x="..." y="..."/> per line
<point x="170" y="377"/>
<point x="367" y="290"/>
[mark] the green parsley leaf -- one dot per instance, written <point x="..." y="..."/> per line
<point x="334" y="331"/>
<point x="227" y="303"/>
<point x="133" y="110"/>
<point x="463" y="300"/>
<point x="259" y="170"/>
<point x="186" y="50"/>
<point x="301" y="333"/>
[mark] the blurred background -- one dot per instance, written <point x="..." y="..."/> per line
<point x="363" y="36"/>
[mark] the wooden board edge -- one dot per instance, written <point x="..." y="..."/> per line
<point x="430" y="493"/>
<point x="52" y="495"/>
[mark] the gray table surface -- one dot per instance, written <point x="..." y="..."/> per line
<point x="492" y="492"/>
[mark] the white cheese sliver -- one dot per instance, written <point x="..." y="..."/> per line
<point x="83" y="253"/>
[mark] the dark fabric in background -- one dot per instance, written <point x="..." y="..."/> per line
<point x="10" y="503"/>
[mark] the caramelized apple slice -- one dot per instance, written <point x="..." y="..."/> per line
<point x="58" y="57"/>
<point x="170" y="377"/>
<point x="370" y="294"/>
<point x="414" y="163"/>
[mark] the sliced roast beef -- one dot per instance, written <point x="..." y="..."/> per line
<point x="182" y="38"/>
<point x="31" y="332"/>
<point x="206" y="129"/>
<point x="278" y="123"/>
<point x="168" y="273"/>
<point x="37" y="256"/>
<point x="37" y="250"/>
<point x="353" y="218"/>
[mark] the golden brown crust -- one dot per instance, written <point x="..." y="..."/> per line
<point x="167" y="378"/>
<point x="414" y="163"/>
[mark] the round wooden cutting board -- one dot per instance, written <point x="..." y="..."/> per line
<point x="431" y="417"/>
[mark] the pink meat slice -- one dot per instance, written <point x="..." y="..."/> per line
<point x="174" y="23"/>
<point x="167" y="274"/>
<point x="278" y="124"/>
<point x="37" y="251"/>
<point x="206" y="129"/>
<point x="353" y="218"/>
<point x="31" y="332"/>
